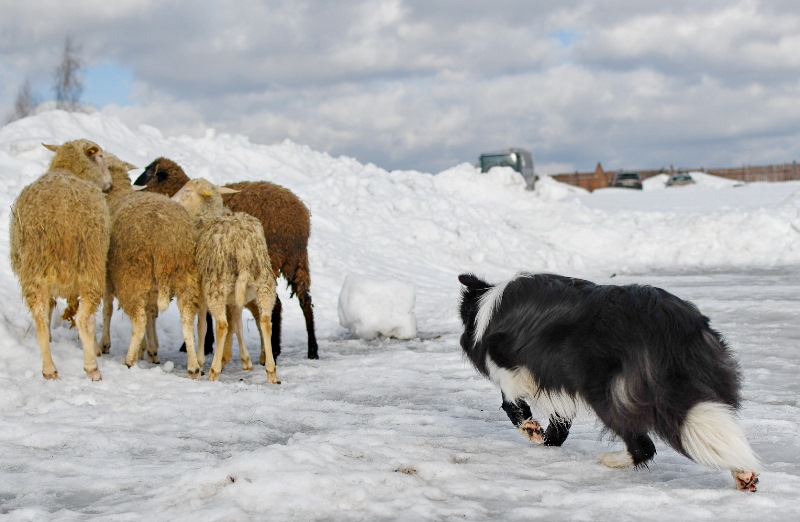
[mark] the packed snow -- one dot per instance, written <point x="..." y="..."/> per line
<point x="389" y="429"/>
<point x="370" y="307"/>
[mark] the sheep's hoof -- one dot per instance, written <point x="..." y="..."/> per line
<point x="51" y="376"/>
<point x="213" y="375"/>
<point x="262" y="360"/>
<point x="532" y="430"/>
<point x="153" y="359"/>
<point x="247" y="366"/>
<point x="313" y="355"/>
<point x="193" y="374"/>
<point x="272" y="377"/>
<point x="94" y="375"/>
<point x="106" y="348"/>
<point x="130" y="363"/>
<point x="745" y="480"/>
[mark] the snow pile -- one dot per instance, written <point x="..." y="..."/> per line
<point x="370" y="307"/>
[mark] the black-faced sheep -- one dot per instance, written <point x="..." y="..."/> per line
<point x="286" y="223"/>
<point x="150" y="260"/>
<point x="59" y="237"/>
<point x="234" y="267"/>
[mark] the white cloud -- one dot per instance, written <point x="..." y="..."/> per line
<point x="425" y="85"/>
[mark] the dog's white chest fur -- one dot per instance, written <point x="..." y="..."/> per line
<point x="518" y="383"/>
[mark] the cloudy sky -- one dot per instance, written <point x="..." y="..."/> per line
<point x="428" y="84"/>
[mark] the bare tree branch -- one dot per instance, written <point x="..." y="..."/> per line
<point x="25" y="103"/>
<point x="68" y="83"/>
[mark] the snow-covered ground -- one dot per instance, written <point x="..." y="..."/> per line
<point x="388" y="429"/>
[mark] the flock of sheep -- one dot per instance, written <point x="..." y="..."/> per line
<point x="83" y="232"/>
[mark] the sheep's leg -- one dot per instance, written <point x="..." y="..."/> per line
<point x="202" y="327"/>
<point x="265" y="324"/>
<point x="86" y="331"/>
<point x="226" y="346"/>
<point x="138" y="327"/>
<point x="222" y="332"/>
<point x="227" y="343"/>
<point x="236" y="326"/>
<point x="276" y="330"/>
<point x="151" y="337"/>
<point x="253" y="307"/>
<point x="41" y="310"/>
<point x="301" y="290"/>
<point x="108" y="311"/>
<point x="73" y="302"/>
<point x="51" y="305"/>
<point x="187" y="324"/>
<point x="305" y="303"/>
<point x="277" y="312"/>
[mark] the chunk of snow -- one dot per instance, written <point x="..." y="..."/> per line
<point x="370" y="307"/>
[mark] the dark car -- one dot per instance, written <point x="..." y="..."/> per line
<point x="626" y="180"/>
<point x="680" y="178"/>
<point x="516" y="158"/>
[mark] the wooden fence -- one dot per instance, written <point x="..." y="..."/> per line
<point x="600" y="178"/>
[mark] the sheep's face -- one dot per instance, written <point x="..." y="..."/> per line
<point x="162" y="176"/>
<point x="198" y="196"/>
<point x="119" y="171"/>
<point x="84" y="159"/>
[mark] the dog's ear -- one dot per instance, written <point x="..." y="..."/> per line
<point x="472" y="282"/>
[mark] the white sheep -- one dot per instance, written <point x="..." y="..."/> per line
<point x="234" y="267"/>
<point x="150" y="260"/>
<point x="59" y="237"/>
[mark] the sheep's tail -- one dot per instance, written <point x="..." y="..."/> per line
<point x="240" y="290"/>
<point x="70" y="311"/>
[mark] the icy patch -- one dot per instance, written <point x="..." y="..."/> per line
<point x="371" y="307"/>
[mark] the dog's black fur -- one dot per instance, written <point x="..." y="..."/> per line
<point x="638" y="356"/>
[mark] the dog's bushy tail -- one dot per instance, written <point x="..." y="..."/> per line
<point x="711" y="436"/>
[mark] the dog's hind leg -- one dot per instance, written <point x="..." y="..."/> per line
<point x="640" y="450"/>
<point x="520" y="414"/>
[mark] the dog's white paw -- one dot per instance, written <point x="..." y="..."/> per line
<point x="616" y="459"/>
<point x="745" y="480"/>
<point x="532" y="430"/>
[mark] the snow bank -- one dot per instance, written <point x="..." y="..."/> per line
<point x="370" y="307"/>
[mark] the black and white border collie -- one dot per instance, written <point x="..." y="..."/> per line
<point x="645" y="361"/>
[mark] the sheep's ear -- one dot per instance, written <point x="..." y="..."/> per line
<point x="92" y="150"/>
<point x="226" y="190"/>
<point x="128" y="166"/>
<point x="53" y="148"/>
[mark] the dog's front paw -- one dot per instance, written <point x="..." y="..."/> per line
<point x="532" y="430"/>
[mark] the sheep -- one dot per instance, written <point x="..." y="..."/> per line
<point x="150" y="260"/>
<point x="286" y="223"/>
<point x="234" y="267"/>
<point x="59" y="238"/>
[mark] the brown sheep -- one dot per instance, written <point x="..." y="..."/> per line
<point x="234" y="267"/>
<point x="286" y="223"/>
<point x="59" y="237"/>
<point x="150" y="259"/>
